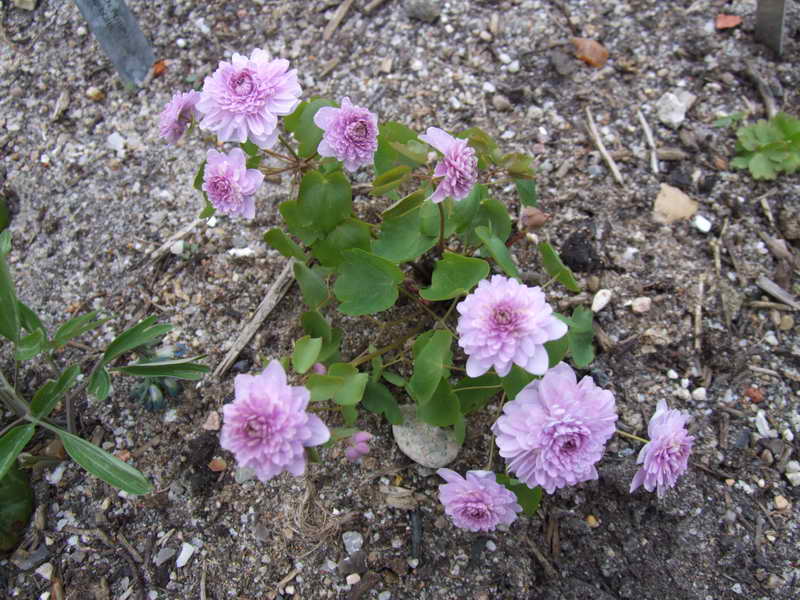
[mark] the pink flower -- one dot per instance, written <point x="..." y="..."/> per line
<point x="458" y="167"/>
<point x="230" y="185"/>
<point x="358" y="446"/>
<point x="555" y="430"/>
<point x="177" y="115"/>
<point x="477" y="503"/>
<point x="243" y="98"/>
<point x="267" y="427"/>
<point x="666" y="456"/>
<point x="351" y="134"/>
<point x="504" y="322"/>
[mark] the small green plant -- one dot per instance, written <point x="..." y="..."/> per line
<point x="769" y="148"/>
<point x="22" y="327"/>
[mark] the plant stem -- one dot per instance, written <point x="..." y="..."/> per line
<point x="278" y="155"/>
<point x="380" y="351"/>
<point x="631" y="436"/>
<point x="11" y="426"/>
<point x="478" y="387"/>
<point x="441" y="227"/>
<point x="432" y="314"/>
<point x="491" y="447"/>
<point x="11" y="399"/>
<point x="285" y="143"/>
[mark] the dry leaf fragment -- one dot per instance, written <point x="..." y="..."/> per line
<point x="727" y="21"/>
<point x="591" y="52"/>
<point x="673" y="205"/>
<point x="159" y="68"/>
<point x="217" y="465"/>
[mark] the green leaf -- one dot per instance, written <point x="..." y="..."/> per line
<point x="50" y="393"/>
<point x="518" y="164"/>
<point x="199" y="176"/>
<point x="29" y="320"/>
<point x="306" y="351"/>
<point x="390" y="180"/>
<point x="460" y="429"/>
<point x="99" y="384"/>
<point x="76" y="327"/>
<point x="323" y="387"/>
<point x="529" y="499"/>
<point x="404" y="206"/>
<point x="367" y="283"/>
<point x="315" y="325"/>
<point x="401" y="240"/>
<point x="430" y="366"/>
<point x="526" y="189"/>
<point x="12" y="443"/>
<point x="488" y="212"/>
<point x="350" y="233"/>
<point x="31" y="345"/>
<point x="349" y="414"/>
<point x="387" y="155"/>
<point x="516" y="379"/>
<point x="761" y="167"/>
<point x="298" y="222"/>
<point x="284" y="244"/>
<point x="144" y="332"/>
<point x="105" y="466"/>
<point x="352" y="389"/>
<point x="9" y="319"/>
<point x="208" y="209"/>
<point x="394" y="379"/>
<point x="474" y="393"/>
<point x="5" y="214"/>
<point x="443" y="408"/>
<point x="250" y="148"/>
<point x="379" y="400"/>
<point x="312" y="287"/>
<point x="483" y="143"/>
<point x="556" y="350"/>
<point x="555" y="268"/>
<point x="455" y="275"/>
<point x="16" y="507"/>
<point x="498" y="251"/>
<point x="580" y="337"/>
<point x="301" y="124"/>
<point x="181" y="368"/>
<point x="326" y="200"/>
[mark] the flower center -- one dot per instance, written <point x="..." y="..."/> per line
<point x="257" y="429"/>
<point x="474" y="511"/>
<point x="504" y="319"/>
<point x="224" y="193"/>
<point x="242" y="84"/>
<point x="357" y="131"/>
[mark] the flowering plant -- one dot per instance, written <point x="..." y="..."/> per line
<point x="440" y="234"/>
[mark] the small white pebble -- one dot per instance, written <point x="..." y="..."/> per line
<point x="699" y="394"/>
<point x="672" y="374"/>
<point x="353" y="578"/>
<point x="181" y="43"/>
<point x="413" y="563"/>
<point x="177" y="247"/>
<point x="289" y="589"/>
<point x="641" y="305"/>
<point x="186" y="553"/>
<point x="491" y="546"/>
<point x="489" y="88"/>
<point x="45" y="571"/>
<point x="504" y="58"/>
<point x="513" y="66"/>
<point x="787" y="435"/>
<point x="601" y="300"/>
<point x="702" y="224"/>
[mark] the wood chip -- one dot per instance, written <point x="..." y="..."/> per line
<point x="673" y="205"/>
<point x="338" y="16"/>
<point x="591" y="52"/>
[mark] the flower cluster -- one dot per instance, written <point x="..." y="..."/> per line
<point x="267" y="427"/>
<point x="555" y="430"/>
<point x="350" y="134"/>
<point x="666" y="456"/>
<point x="477" y="503"/>
<point x="504" y="322"/>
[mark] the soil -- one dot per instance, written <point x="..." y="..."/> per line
<point x="87" y="217"/>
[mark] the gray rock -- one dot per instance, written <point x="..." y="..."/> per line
<point x="425" y="444"/>
<point x="672" y="107"/>
<point x="352" y="541"/>
<point x="164" y="555"/>
<point x="25" y="4"/>
<point x="423" y="10"/>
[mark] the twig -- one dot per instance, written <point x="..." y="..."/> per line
<point x="770" y="105"/>
<point x="764" y="371"/>
<point x="721" y="474"/>
<point x="648" y="134"/>
<point x="736" y="265"/>
<point x="698" y="313"/>
<point x="765" y="304"/>
<point x="599" y="143"/>
<point x="203" y="583"/>
<point x="773" y="289"/>
<point x="372" y="6"/>
<point x="549" y="570"/>
<point x="271" y="299"/>
<point x="337" y="18"/>
<point x="159" y="252"/>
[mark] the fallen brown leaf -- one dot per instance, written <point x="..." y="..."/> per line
<point x="727" y="21"/>
<point x="159" y="68"/>
<point x="591" y="52"/>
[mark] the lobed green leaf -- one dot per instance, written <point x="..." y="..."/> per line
<point x="367" y="283"/>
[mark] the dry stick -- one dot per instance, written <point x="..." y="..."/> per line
<point x="773" y="289"/>
<point x="599" y="143"/>
<point x="337" y="18"/>
<point x="549" y="570"/>
<point x="373" y="5"/>
<point x="156" y="254"/>
<point x="648" y="134"/>
<point x="271" y="299"/>
<point x="763" y="89"/>
<point x="775" y="305"/>
<point x="698" y="313"/>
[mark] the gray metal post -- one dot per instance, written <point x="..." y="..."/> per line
<point x="119" y="35"/>
<point x="770" y="15"/>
